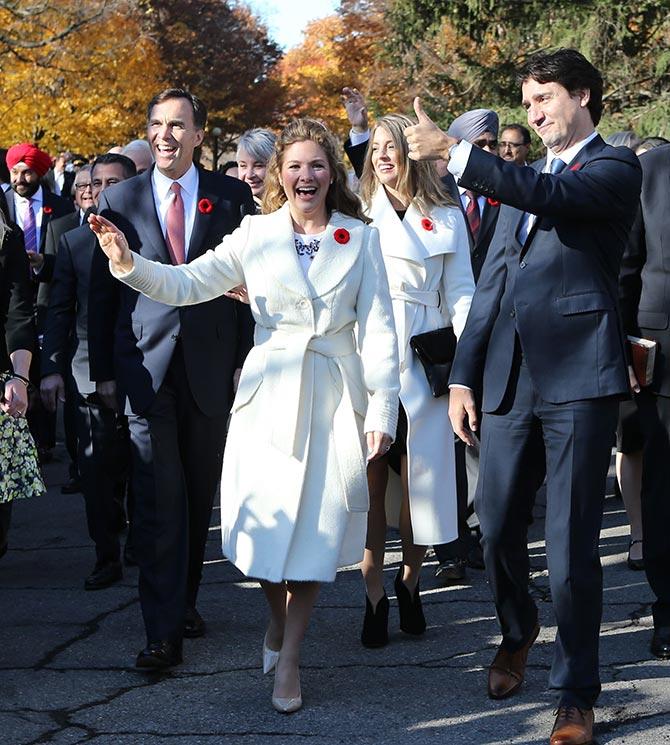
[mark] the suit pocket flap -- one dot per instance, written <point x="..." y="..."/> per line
<point x="246" y="389"/>
<point x="586" y="302"/>
<point x="652" y="319"/>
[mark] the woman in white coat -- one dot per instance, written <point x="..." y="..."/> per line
<point x="425" y="248"/>
<point x="314" y="401"/>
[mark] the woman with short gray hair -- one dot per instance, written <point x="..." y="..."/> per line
<point x="253" y="153"/>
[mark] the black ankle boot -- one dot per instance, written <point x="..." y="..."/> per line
<point x="375" y="624"/>
<point x="412" y="620"/>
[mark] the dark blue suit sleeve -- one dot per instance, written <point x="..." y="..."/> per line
<point x="103" y="308"/>
<point x="61" y="314"/>
<point x="606" y="185"/>
<point x="630" y="277"/>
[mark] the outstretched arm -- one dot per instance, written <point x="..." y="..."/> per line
<point x="208" y="277"/>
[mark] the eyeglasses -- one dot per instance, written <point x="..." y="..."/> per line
<point x="484" y="142"/>
<point x="514" y="145"/>
<point x="82" y="187"/>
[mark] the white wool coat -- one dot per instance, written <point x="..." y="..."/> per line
<point x="430" y="276"/>
<point x="294" y="495"/>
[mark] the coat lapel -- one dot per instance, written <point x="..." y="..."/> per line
<point x="203" y="220"/>
<point x="538" y="165"/>
<point x="396" y="239"/>
<point x="334" y="259"/>
<point x="278" y="254"/>
<point x="47" y="215"/>
<point x="489" y="218"/>
<point x="583" y="156"/>
<point x="11" y="205"/>
<point x="439" y="235"/>
<point x="153" y="241"/>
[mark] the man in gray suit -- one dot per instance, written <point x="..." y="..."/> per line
<point x="174" y="366"/>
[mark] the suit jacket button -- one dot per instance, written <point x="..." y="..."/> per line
<point x="174" y="337"/>
<point x="512" y="314"/>
<point x="522" y="265"/>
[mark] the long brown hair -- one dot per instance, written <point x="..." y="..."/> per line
<point x="339" y="197"/>
<point x="418" y="181"/>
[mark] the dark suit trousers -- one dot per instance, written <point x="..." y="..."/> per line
<point x="70" y="427"/>
<point x="655" y="424"/>
<point x="103" y="469"/>
<point x="177" y="453"/>
<point x="576" y="439"/>
<point x="467" y="474"/>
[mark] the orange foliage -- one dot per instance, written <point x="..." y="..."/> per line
<point x="84" y="92"/>
<point x="340" y="50"/>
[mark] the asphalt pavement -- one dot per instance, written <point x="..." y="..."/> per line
<point x="67" y="656"/>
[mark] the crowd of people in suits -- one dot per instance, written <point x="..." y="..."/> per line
<point x="261" y="334"/>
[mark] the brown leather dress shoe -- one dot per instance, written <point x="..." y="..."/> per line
<point x="573" y="726"/>
<point x="507" y="669"/>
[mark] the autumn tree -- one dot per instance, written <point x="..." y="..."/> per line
<point x="79" y="75"/>
<point x="74" y="77"/>
<point x="221" y="52"/>
<point x="340" y="50"/>
<point x="36" y="27"/>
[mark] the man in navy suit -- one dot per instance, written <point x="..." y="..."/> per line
<point x="101" y="437"/>
<point x="174" y="366"/>
<point x="645" y="307"/>
<point x="543" y="343"/>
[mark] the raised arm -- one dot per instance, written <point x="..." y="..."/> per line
<point x="357" y="112"/>
<point x="208" y="277"/>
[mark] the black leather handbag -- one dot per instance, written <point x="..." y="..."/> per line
<point x="435" y="351"/>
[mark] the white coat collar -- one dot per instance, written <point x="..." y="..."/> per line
<point x="331" y="264"/>
<point x="416" y="237"/>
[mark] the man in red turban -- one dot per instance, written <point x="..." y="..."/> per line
<point x="31" y="156"/>
<point x="31" y="206"/>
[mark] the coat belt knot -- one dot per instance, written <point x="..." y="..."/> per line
<point x="288" y="353"/>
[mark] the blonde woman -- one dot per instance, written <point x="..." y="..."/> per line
<point x="313" y="402"/>
<point x="425" y="250"/>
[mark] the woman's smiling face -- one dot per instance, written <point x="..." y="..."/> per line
<point x="306" y="177"/>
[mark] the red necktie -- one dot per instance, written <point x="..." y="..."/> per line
<point x="472" y="213"/>
<point x="175" y="226"/>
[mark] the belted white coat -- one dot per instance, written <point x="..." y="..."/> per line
<point x="429" y="272"/>
<point x="294" y="495"/>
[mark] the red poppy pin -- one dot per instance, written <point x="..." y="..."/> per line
<point x="341" y="235"/>
<point x="426" y="224"/>
<point x="493" y="202"/>
<point x="47" y="210"/>
<point x="205" y="206"/>
<point x="576" y="167"/>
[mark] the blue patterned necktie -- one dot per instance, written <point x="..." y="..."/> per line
<point x="30" y="228"/>
<point x="557" y="165"/>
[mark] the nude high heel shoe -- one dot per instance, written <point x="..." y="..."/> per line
<point x="270" y="657"/>
<point x="287" y="705"/>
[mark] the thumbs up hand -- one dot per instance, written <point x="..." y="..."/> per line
<point x="426" y="140"/>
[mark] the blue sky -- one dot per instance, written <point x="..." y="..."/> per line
<point x="286" y="19"/>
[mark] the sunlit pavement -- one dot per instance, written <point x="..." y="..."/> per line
<point x="66" y="655"/>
